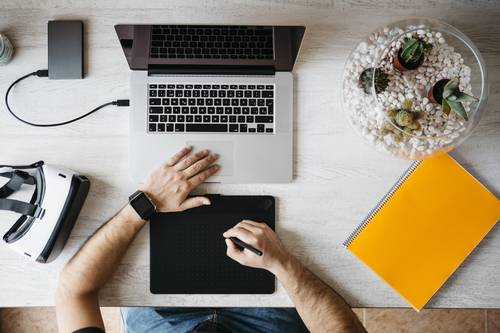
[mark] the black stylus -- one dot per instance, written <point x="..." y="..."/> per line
<point x="244" y="245"/>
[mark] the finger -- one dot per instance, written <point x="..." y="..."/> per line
<point x="254" y="223"/>
<point x="199" y="166"/>
<point x="191" y="159"/>
<point x="255" y="229"/>
<point x="204" y="175"/>
<point x="241" y="233"/>
<point x="233" y="251"/>
<point x="194" y="202"/>
<point x="178" y="156"/>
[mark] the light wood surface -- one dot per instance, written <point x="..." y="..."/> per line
<point x="338" y="178"/>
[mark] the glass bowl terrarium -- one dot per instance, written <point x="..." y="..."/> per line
<point x="415" y="88"/>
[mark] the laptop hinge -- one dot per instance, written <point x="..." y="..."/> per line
<point x="210" y="70"/>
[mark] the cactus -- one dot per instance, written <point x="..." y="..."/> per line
<point x="413" y="49"/>
<point x="453" y="99"/>
<point x="401" y="120"/>
<point x="381" y="80"/>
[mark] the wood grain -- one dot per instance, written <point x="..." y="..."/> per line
<point x="338" y="178"/>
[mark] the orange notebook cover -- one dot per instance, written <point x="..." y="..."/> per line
<point x="425" y="227"/>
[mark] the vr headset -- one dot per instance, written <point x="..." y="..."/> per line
<point x="42" y="202"/>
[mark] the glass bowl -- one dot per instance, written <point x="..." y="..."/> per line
<point x="380" y="95"/>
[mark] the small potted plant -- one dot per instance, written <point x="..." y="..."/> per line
<point x="411" y="55"/>
<point x="447" y="93"/>
<point x="381" y="80"/>
<point x="403" y="120"/>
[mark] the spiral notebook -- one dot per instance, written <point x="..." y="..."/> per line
<point x="425" y="227"/>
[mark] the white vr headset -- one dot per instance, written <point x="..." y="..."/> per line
<point x="41" y="203"/>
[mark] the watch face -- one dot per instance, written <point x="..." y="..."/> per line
<point x="142" y="204"/>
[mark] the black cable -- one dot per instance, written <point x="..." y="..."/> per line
<point x="45" y="73"/>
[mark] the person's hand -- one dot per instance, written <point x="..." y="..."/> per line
<point x="170" y="184"/>
<point x="263" y="238"/>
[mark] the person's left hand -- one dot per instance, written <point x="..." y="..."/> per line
<point x="170" y="184"/>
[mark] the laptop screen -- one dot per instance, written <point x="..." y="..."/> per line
<point x="168" y="46"/>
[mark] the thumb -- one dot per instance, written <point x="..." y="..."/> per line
<point x="233" y="251"/>
<point x="194" y="202"/>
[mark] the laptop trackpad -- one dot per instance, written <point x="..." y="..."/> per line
<point x="225" y="151"/>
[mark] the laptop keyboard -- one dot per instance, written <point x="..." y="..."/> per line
<point x="211" y="42"/>
<point x="235" y="108"/>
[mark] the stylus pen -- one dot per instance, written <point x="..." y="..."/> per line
<point x="244" y="245"/>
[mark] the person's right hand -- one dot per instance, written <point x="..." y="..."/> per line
<point x="260" y="236"/>
<point x="170" y="184"/>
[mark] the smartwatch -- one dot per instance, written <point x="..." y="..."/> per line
<point x="142" y="204"/>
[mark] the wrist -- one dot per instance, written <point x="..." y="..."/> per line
<point x="130" y="216"/>
<point x="282" y="266"/>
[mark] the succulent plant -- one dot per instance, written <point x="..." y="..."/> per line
<point x="413" y="49"/>
<point x="402" y="121"/>
<point x="453" y="99"/>
<point x="381" y="80"/>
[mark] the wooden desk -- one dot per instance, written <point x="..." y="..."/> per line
<point x="338" y="178"/>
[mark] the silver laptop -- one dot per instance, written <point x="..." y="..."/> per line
<point x="224" y="88"/>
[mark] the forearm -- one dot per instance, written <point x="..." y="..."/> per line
<point x="99" y="257"/>
<point x="319" y="306"/>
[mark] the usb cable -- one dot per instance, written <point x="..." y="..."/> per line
<point x="45" y="73"/>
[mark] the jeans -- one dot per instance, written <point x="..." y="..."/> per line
<point x="237" y="320"/>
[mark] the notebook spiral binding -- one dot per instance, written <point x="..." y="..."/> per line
<point x="381" y="203"/>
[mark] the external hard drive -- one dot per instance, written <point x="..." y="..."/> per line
<point x="65" y="46"/>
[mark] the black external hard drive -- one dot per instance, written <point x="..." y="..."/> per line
<point x="65" y="46"/>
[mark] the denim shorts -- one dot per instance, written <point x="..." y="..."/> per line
<point x="234" y="320"/>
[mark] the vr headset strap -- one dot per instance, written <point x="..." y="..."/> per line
<point x="21" y="207"/>
<point x="28" y="166"/>
<point x="17" y="178"/>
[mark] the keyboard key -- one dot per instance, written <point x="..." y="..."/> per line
<point x="156" y="109"/>
<point x="189" y="119"/>
<point x="267" y="94"/>
<point x="152" y="127"/>
<point x="170" y="127"/>
<point x="206" y="119"/>
<point x="241" y="119"/>
<point x="165" y="101"/>
<point x="269" y="130"/>
<point x="161" y="127"/>
<point x="176" y="110"/>
<point x="154" y="101"/>
<point x="233" y="128"/>
<point x="223" y="119"/>
<point x="153" y="86"/>
<point x="152" y="93"/>
<point x="180" y="119"/>
<point x="206" y="128"/>
<point x="251" y="130"/>
<point x="168" y="109"/>
<point x="197" y="119"/>
<point x="179" y="127"/>
<point x="185" y="110"/>
<point x="263" y="119"/>
<point x="153" y="118"/>
<point x="232" y="119"/>
<point x="171" y="119"/>
<point x="163" y="118"/>
<point x="215" y="119"/>
<point x="250" y="119"/>
<point x="269" y="87"/>
<point x="260" y="128"/>
<point x="262" y="110"/>
<point x="243" y="128"/>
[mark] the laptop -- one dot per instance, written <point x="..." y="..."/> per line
<point x="224" y="88"/>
